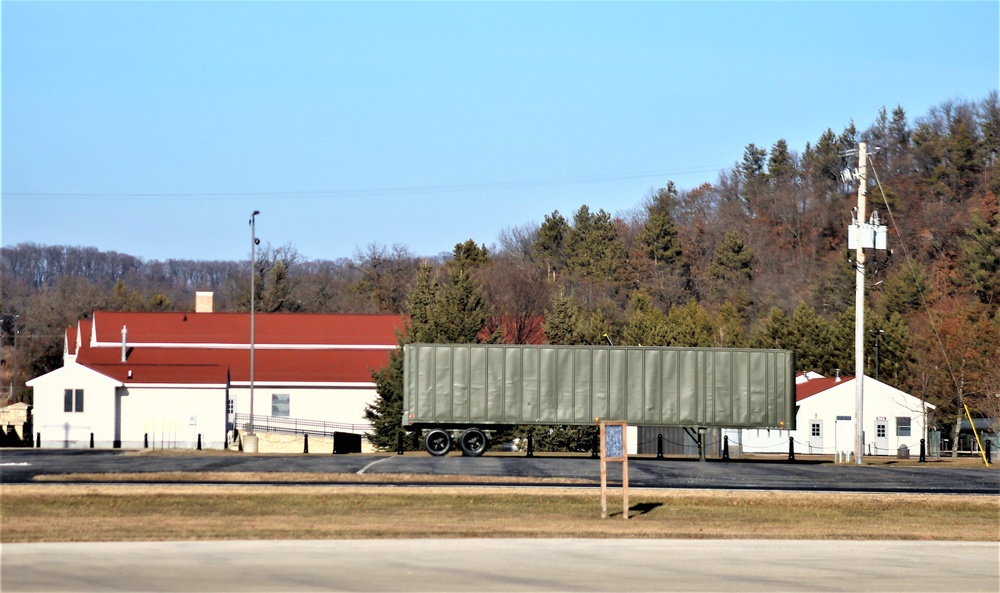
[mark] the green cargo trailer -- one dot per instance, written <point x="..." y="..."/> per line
<point x="467" y="390"/>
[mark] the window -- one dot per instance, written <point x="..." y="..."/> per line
<point x="73" y="400"/>
<point x="815" y="431"/>
<point x="902" y="426"/>
<point x="229" y="406"/>
<point x="279" y="405"/>
<point x="880" y="431"/>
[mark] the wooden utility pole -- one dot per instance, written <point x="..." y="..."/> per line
<point x="859" y="304"/>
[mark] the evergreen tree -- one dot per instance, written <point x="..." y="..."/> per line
<point x="593" y="249"/>
<point x="645" y="323"/>
<point x="470" y="255"/>
<point x="562" y="325"/>
<point x="550" y="244"/>
<point x="980" y="259"/>
<point x="774" y="332"/>
<point x="731" y="270"/>
<point x="730" y="330"/>
<point x="809" y="336"/>
<point x="689" y="325"/>
<point x="660" y="237"/>
<point x="780" y="166"/>
<point x="440" y="314"/>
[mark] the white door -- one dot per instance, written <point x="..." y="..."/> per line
<point x="881" y="437"/>
<point x="815" y="436"/>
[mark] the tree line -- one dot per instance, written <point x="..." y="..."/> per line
<point x="757" y="258"/>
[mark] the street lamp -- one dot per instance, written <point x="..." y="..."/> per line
<point x="250" y="442"/>
<point x="877" y="334"/>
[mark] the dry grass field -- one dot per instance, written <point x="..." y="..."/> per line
<point x="137" y="512"/>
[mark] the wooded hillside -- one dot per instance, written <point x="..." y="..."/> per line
<point x="756" y="258"/>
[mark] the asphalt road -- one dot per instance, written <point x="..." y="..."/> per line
<point x="23" y="465"/>
<point x="504" y="565"/>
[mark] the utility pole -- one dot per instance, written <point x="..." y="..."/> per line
<point x="859" y="306"/>
<point x="862" y="234"/>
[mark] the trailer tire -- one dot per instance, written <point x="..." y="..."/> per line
<point x="473" y="442"/>
<point x="437" y="442"/>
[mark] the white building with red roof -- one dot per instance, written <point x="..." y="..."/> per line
<point x="824" y="419"/>
<point x="175" y="378"/>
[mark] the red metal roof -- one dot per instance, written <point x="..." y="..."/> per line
<point x="813" y="386"/>
<point x="234" y="328"/>
<point x="211" y="348"/>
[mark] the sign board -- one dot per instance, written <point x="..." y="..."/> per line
<point x="614" y="448"/>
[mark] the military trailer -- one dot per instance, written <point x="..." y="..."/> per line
<point x="461" y="393"/>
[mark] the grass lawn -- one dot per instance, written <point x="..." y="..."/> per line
<point x="134" y="512"/>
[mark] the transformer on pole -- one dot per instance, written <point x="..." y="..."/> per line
<point x="862" y="234"/>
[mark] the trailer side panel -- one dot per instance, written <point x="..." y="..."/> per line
<point x="471" y="385"/>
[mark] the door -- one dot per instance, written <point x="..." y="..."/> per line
<point x="815" y="436"/>
<point x="881" y="437"/>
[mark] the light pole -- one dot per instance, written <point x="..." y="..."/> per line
<point x="877" y="334"/>
<point x="250" y="441"/>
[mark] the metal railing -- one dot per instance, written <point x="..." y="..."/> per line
<point x="297" y="425"/>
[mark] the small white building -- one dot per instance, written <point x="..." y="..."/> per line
<point x="824" y="419"/>
<point x="170" y="379"/>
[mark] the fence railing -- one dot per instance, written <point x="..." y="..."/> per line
<point x="297" y="425"/>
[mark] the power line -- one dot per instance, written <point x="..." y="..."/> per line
<point x="372" y="192"/>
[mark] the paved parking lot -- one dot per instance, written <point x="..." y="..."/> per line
<point x="23" y="465"/>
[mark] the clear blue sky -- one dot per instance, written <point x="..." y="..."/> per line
<point x="156" y="128"/>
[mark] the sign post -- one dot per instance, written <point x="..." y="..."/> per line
<point x="614" y="448"/>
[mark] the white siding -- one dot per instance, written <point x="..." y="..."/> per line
<point x="61" y="429"/>
<point x="880" y="400"/>
<point x="173" y="417"/>
<point x="344" y="405"/>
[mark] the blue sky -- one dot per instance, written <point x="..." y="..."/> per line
<point x="156" y="128"/>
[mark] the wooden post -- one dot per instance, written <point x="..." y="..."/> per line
<point x="614" y="448"/>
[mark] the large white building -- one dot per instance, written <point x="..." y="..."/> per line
<point x="174" y="378"/>
<point x="824" y="419"/>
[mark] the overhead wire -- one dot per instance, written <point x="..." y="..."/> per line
<point x="913" y="274"/>
<point x="376" y="191"/>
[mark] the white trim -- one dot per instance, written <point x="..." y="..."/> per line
<point x="302" y="384"/>
<point x="33" y="382"/>
<point x="177" y="385"/>
<point x="257" y="346"/>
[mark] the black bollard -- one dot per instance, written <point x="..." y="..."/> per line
<point x="988" y="449"/>
<point x="595" y="450"/>
<point x="659" y="446"/>
<point x="91" y="440"/>
<point x="145" y="441"/>
<point x="923" y="451"/>
<point x="791" y="449"/>
<point x="305" y="443"/>
<point x="725" y="448"/>
<point x="399" y="444"/>
<point x="199" y="441"/>
<point x="38" y="441"/>
<point x="531" y="444"/>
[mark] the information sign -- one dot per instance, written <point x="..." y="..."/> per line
<point x="614" y="448"/>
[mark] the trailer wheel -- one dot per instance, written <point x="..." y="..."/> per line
<point x="473" y="442"/>
<point x="437" y="442"/>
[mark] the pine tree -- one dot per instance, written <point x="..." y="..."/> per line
<point x="562" y="322"/>
<point x="450" y="313"/>
<point x="550" y="245"/>
<point x="593" y="249"/>
<point x="646" y="324"/>
<point x="689" y="325"/>
<point x="980" y="260"/>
